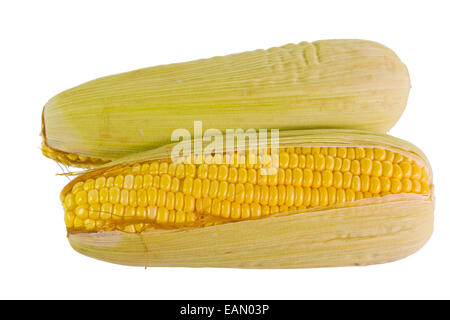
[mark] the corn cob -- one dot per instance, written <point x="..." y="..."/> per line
<point x="351" y="84"/>
<point x="339" y="197"/>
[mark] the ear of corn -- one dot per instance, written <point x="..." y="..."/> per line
<point x="339" y="197"/>
<point x="325" y="84"/>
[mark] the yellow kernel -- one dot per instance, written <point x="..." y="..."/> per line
<point x="162" y="216"/>
<point x="148" y="180"/>
<point x="281" y="176"/>
<point x="331" y="195"/>
<point x="298" y="196"/>
<point x="329" y="163"/>
<point x="323" y="196"/>
<point x="100" y="182"/>
<point x="114" y="195"/>
<point x="315" y="200"/>
<point x="128" y="182"/>
<point x="350" y="195"/>
<point x="351" y="153"/>
<point x="232" y="175"/>
<point x="385" y="184"/>
<point x="242" y="175"/>
<point x="141" y="213"/>
<point x="308" y="177"/>
<point x="272" y="179"/>
<point x="216" y="207"/>
<point x="163" y="167"/>
<point x="119" y="211"/>
<point x="81" y="197"/>
<point x="302" y="161"/>
<point x="190" y="217"/>
<point x="69" y="201"/>
<point x="197" y="188"/>
<point x="212" y="172"/>
<point x="206" y="205"/>
<point x="389" y="156"/>
<point x="359" y="195"/>
<point x="338" y="179"/>
<point x="396" y="186"/>
<point x="273" y="196"/>
<point x="179" y="171"/>
<point x="187" y="185"/>
<point x="406" y="169"/>
<point x="138" y="181"/>
<point x="170" y="200"/>
<point x="341" y="152"/>
<point x="347" y="181"/>
<point x="165" y="182"/>
<point x="319" y="162"/>
<point x="317" y="180"/>
<point x="416" y="186"/>
<point x="375" y="185"/>
<point x="78" y="223"/>
<point x="141" y="197"/>
<point x="222" y="192"/>
<point x="92" y="196"/>
<point x="180" y="217"/>
<point x="337" y="164"/>
<point x="284" y="160"/>
<point x="356" y="183"/>
<point x="416" y="172"/>
<point x="110" y="182"/>
<point x="406" y="185"/>
<point x="265" y="195"/>
<point x="104" y="195"/>
<point x="152" y="212"/>
<point x="397" y="171"/>
<point x="213" y="189"/>
<point x="156" y="181"/>
<point x="175" y="185"/>
<point x="106" y="211"/>
<point x="231" y="191"/>
<point x="69" y="218"/>
<point x="255" y="209"/>
<point x="189" y="203"/>
<point x="310" y="161"/>
<point x="377" y="168"/>
<point x="380" y="154"/>
<point x="274" y="209"/>
<point x="222" y="173"/>
<point x="132" y="201"/>
<point x="152" y="196"/>
<point x="297" y="178"/>
<point x="366" y="166"/>
<point x="387" y="168"/>
<point x="346" y="164"/>
<point x="235" y="210"/>
<point x="306" y="197"/>
<point x="248" y="193"/>
<point x="240" y="193"/>
<point x="293" y="160"/>
<point x="355" y="168"/>
<point x="288" y="176"/>
<point x="94" y="211"/>
<point x="340" y="196"/>
<point x="82" y="212"/>
<point x="154" y="168"/>
<point x="332" y="151"/>
<point x="369" y="153"/>
<point x="398" y="158"/>
<point x="161" y="198"/>
<point x="190" y="170"/>
<point x="225" y="210"/>
<point x="359" y="153"/>
<point x="281" y="194"/>
<point x="89" y="184"/>
<point x="425" y="188"/>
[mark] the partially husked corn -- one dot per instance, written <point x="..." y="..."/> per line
<point x="353" y="84"/>
<point x="161" y="194"/>
<point x="338" y="197"/>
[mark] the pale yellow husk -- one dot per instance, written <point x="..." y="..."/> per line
<point x="383" y="231"/>
<point x="325" y="84"/>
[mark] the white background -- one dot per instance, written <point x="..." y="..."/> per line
<point x="50" y="46"/>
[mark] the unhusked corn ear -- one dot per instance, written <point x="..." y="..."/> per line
<point x="365" y="183"/>
<point x="325" y="84"/>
